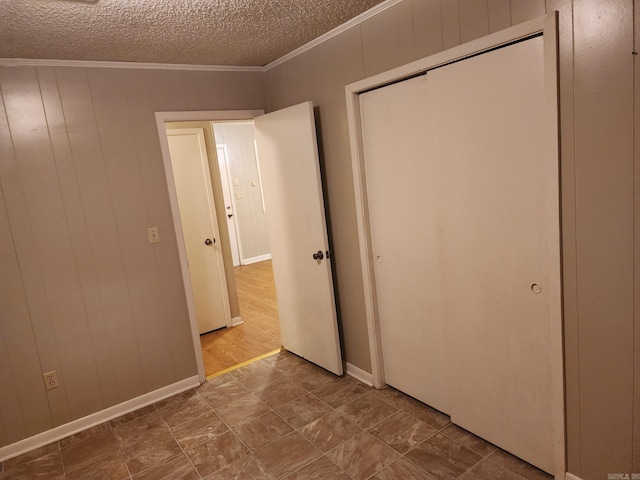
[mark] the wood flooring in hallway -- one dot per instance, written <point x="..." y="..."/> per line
<point x="260" y="332"/>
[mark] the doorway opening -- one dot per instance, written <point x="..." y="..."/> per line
<point x="216" y="175"/>
<point x="286" y="142"/>
<point x="246" y="219"/>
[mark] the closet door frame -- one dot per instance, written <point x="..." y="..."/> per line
<point x="547" y="27"/>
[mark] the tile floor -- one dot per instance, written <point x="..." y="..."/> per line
<point x="278" y="418"/>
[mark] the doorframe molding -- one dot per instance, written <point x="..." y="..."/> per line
<point x="547" y="27"/>
<point x="193" y="116"/>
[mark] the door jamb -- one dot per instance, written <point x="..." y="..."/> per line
<point x="547" y="27"/>
<point x="186" y="116"/>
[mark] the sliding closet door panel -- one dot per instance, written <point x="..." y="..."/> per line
<point x="400" y="180"/>
<point x="495" y="181"/>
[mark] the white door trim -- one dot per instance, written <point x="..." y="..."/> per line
<point x="547" y="27"/>
<point x="161" y="119"/>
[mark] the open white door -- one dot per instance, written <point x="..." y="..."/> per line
<point x="229" y="205"/>
<point x="288" y="153"/>
<point x="192" y="178"/>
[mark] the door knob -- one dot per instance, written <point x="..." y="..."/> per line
<point x="318" y="255"/>
<point x="229" y="215"/>
<point x="208" y="241"/>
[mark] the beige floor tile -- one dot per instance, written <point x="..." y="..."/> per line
<point x="250" y="368"/>
<point x="242" y="410"/>
<point x="189" y="407"/>
<point x="174" y="468"/>
<point x="217" y="453"/>
<point x="141" y="412"/>
<point x="90" y="432"/>
<point x="402" y="470"/>
<point x="52" y="448"/>
<point x="304" y="410"/>
<point x="111" y="467"/>
<point x="522" y="468"/>
<point x="247" y="468"/>
<point x="339" y="392"/>
<point x="215" y="382"/>
<point x="321" y="469"/>
<point x="145" y="442"/>
<point x="402" y="431"/>
<point x="262" y="378"/>
<point x="394" y="397"/>
<point x="45" y="467"/>
<point x="224" y="394"/>
<point x="469" y="440"/>
<point x="313" y="378"/>
<point x="281" y="393"/>
<point x="263" y="430"/>
<point x="442" y="457"/>
<point x="287" y="455"/>
<point x="487" y="470"/>
<point x="431" y="416"/>
<point x="330" y="431"/>
<point x="199" y="430"/>
<point x="362" y="456"/>
<point x="84" y="452"/>
<point x="367" y="411"/>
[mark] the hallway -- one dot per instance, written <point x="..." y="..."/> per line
<point x="260" y="332"/>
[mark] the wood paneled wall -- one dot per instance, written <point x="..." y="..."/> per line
<point x="82" y="291"/>
<point x="599" y="162"/>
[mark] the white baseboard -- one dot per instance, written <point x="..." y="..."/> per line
<point x="236" y="321"/>
<point x="84" y="423"/>
<point x="260" y="258"/>
<point x="571" y="476"/>
<point x="359" y="374"/>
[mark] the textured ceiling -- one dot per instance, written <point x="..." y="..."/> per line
<point x="199" y="32"/>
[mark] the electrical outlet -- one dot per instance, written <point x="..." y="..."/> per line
<point x="51" y="380"/>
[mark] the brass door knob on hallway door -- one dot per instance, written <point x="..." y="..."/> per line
<point x="318" y="255"/>
<point x="208" y="241"/>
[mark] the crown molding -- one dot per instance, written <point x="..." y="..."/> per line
<point x="28" y="62"/>
<point x="332" y="33"/>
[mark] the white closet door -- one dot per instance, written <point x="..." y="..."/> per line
<point x="495" y="220"/>
<point x="401" y="177"/>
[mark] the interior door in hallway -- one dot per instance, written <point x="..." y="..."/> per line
<point x="288" y="155"/>
<point x="192" y="178"/>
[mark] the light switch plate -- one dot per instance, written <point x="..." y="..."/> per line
<point x="152" y="233"/>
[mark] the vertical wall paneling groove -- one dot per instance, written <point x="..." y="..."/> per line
<point x="386" y="40"/>
<point x="142" y="87"/>
<point x="15" y="392"/>
<point x="450" y="18"/>
<point x="499" y="14"/>
<point x="28" y="161"/>
<point x="427" y="27"/>
<point x="604" y="228"/>
<point x="77" y="104"/>
<point x="596" y="114"/>
<point x="568" y="208"/>
<point x="75" y="217"/>
<point x="523" y="10"/>
<point x="52" y="247"/>
<point x="114" y="127"/>
<point x="474" y="19"/>
<point x="636" y="250"/>
<point x="83" y="292"/>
